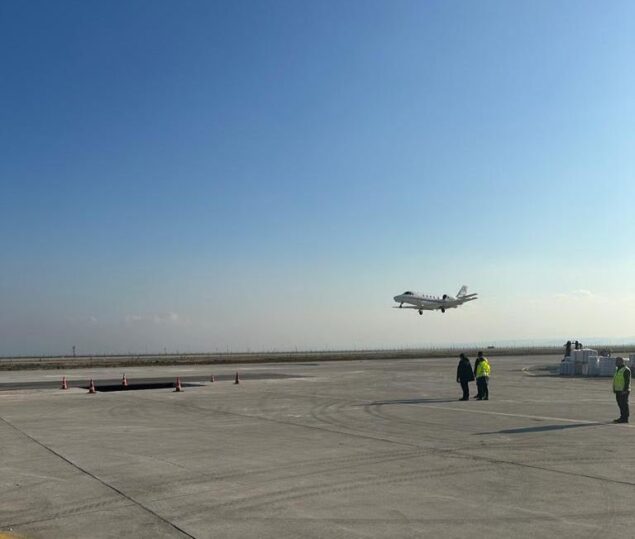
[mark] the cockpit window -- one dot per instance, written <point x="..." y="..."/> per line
<point x="408" y="293"/>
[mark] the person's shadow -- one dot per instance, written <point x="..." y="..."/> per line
<point x="543" y="428"/>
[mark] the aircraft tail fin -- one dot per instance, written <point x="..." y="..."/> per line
<point x="462" y="292"/>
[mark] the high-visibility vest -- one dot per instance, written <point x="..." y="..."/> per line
<point x="483" y="369"/>
<point x="618" y="379"/>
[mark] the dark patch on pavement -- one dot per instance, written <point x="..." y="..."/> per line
<point x="164" y="381"/>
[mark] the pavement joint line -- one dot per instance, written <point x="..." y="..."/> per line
<point x="96" y="478"/>
<point x="543" y="468"/>
<point x="542" y="418"/>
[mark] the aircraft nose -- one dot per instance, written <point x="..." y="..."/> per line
<point x="396" y="298"/>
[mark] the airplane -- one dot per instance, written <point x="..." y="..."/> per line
<point x="422" y="302"/>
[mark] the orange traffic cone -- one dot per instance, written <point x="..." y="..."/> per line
<point x="64" y="383"/>
<point x="211" y="378"/>
<point x="178" y="385"/>
<point x="91" y="387"/>
<point x="237" y="380"/>
<point x="124" y="381"/>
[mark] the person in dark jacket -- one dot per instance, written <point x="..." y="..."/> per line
<point x="464" y="375"/>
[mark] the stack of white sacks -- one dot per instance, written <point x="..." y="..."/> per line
<point x="567" y="367"/>
<point x="586" y="362"/>
<point x="607" y="366"/>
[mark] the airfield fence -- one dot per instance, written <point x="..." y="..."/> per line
<point x="216" y="358"/>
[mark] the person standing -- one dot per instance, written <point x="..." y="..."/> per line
<point x="567" y="349"/>
<point x="464" y="375"/>
<point x="622" y="389"/>
<point x="477" y="361"/>
<point x="482" y="371"/>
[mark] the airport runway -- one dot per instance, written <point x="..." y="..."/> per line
<point x="348" y="449"/>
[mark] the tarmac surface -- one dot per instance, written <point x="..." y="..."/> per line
<point x="378" y="448"/>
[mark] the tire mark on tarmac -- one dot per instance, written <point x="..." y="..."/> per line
<point x="377" y="410"/>
<point x="447" y="452"/>
<point x="303" y="475"/>
<point x="459" y="454"/>
<point x="70" y="510"/>
<point x="493" y="460"/>
<point x="533" y="463"/>
<point x="331" y="464"/>
<point x="296" y="424"/>
<point x="492" y="443"/>
<point x="96" y="478"/>
<point x="324" y="413"/>
<point x="327" y="414"/>
<point x="302" y="492"/>
<point x="62" y="514"/>
<point x="570" y="517"/>
<point x="256" y="502"/>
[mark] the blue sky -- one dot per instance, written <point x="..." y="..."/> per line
<point x="267" y="175"/>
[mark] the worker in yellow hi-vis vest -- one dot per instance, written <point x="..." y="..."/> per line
<point x="622" y="388"/>
<point x="481" y="372"/>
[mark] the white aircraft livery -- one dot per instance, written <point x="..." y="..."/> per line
<point x="423" y="302"/>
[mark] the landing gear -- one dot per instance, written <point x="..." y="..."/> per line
<point x="400" y="305"/>
<point x="442" y="310"/>
<point x="420" y="311"/>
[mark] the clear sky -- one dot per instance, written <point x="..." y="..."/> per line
<point x="258" y="175"/>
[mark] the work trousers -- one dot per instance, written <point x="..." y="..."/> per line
<point x="465" y="386"/>
<point x="622" y="402"/>
<point x="481" y="385"/>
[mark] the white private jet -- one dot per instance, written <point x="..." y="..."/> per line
<point x="422" y="302"/>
